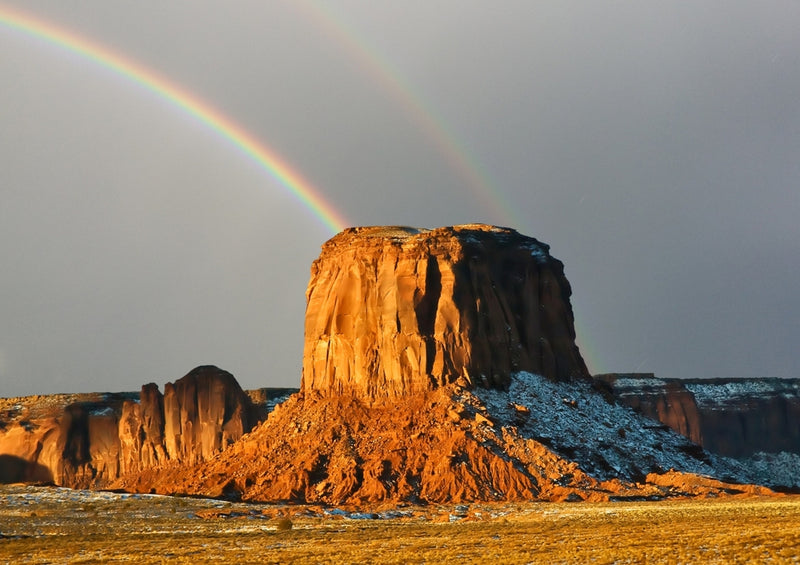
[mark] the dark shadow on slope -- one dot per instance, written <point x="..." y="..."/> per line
<point x="15" y="469"/>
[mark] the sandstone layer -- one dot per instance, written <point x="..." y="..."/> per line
<point x="92" y="439"/>
<point x="398" y="310"/>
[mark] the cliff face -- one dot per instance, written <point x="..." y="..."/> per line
<point x="418" y="386"/>
<point x="90" y="440"/>
<point x="439" y="366"/>
<point x="203" y="415"/>
<point x="393" y="311"/>
<point x="731" y="417"/>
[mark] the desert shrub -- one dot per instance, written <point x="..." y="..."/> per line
<point x="284" y="525"/>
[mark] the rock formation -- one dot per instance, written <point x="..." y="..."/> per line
<point x="439" y="366"/>
<point x="418" y="386"/>
<point x="449" y="445"/>
<point x="90" y="440"/>
<point x="731" y="417"/>
<point x="398" y="310"/>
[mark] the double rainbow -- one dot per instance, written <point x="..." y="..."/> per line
<point x="380" y="72"/>
<point x="226" y="128"/>
<point x="266" y="158"/>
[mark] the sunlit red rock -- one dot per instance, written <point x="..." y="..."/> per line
<point x="404" y="329"/>
<point x="422" y="382"/>
<point x="92" y="439"/>
<point x="398" y="310"/>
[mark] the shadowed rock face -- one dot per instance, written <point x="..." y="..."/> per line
<point x="731" y="417"/>
<point x="204" y="414"/>
<point x="393" y="311"/>
<point x="17" y="470"/>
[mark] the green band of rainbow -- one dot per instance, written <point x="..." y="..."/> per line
<point x="277" y="167"/>
<point x="430" y="123"/>
<point x="262" y="155"/>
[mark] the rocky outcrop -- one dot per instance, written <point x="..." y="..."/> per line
<point x="424" y="447"/>
<point x="418" y="386"/>
<point x="450" y="445"/>
<point x="439" y="366"/>
<point x="397" y="310"/>
<point x="731" y="417"/>
<point x="203" y="414"/>
<point x="90" y="440"/>
<point x="141" y="432"/>
<point x="65" y="439"/>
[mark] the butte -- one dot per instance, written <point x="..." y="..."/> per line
<point x="440" y="366"/>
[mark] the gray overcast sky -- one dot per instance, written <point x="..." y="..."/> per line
<point x="654" y="145"/>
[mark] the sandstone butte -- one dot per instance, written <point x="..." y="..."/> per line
<point x="393" y="311"/>
<point x="416" y="342"/>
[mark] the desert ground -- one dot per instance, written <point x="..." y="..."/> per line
<point x="55" y="525"/>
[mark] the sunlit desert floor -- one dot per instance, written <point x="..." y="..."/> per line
<point x="52" y="525"/>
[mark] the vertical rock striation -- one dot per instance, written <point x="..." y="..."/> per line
<point x="94" y="439"/>
<point x="418" y="385"/>
<point x="204" y="414"/>
<point x="398" y="310"/>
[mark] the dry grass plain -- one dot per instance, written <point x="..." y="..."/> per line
<point x="40" y="525"/>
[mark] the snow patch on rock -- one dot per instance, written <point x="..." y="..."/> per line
<point x="633" y="385"/>
<point x="272" y="403"/>
<point x="606" y="439"/>
<point x="722" y="393"/>
<point x="773" y="469"/>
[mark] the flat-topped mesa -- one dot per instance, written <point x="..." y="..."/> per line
<point x="400" y="310"/>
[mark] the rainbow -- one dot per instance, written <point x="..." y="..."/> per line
<point x="380" y="71"/>
<point x="226" y="128"/>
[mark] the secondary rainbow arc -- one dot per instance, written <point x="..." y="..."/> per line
<point x="381" y="71"/>
<point x="277" y="167"/>
<point x="280" y="170"/>
<point x="430" y="123"/>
